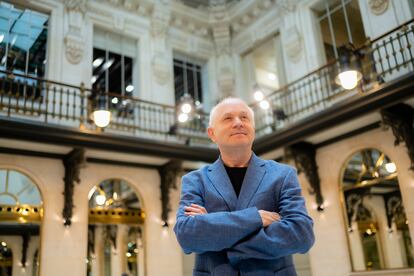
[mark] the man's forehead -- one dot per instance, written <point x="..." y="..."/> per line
<point x="233" y="106"/>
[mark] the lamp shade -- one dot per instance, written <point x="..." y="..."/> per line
<point x="101" y="115"/>
<point x="349" y="73"/>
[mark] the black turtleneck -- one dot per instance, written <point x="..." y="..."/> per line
<point x="236" y="176"/>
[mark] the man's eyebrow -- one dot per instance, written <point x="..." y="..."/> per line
<point x="227" y="114"/>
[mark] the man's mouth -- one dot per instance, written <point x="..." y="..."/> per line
<point x="237" y="133"/>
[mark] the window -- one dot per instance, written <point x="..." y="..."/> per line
<point x="264" y="66"/>
<point x="188" y="79"/>
<point x="378" y="232"/>
<point x="341" y="23"/>
<point x="113" y="62"/>
<point x="23" y="40"/>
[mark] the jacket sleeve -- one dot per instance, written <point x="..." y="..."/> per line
<point x="213" y="231"/>
<point x="292" y="234"/>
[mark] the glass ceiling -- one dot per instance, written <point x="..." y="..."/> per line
<point x="20" y="28"/>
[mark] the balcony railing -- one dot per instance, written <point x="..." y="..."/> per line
<point x="384" y="59"/>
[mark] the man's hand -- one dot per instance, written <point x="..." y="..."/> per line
<point x="194" y="210"/>
<point x="268" y="217"/>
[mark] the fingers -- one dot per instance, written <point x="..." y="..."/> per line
<point x="194" y="210"/>
<point x="269" y="217"/>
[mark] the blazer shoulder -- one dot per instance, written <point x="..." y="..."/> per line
<point x="274" y="165"/>
<point x="196" y="174"/>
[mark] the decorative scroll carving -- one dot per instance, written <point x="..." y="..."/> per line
<point x="304" y="156"/>
<point x="168" y="174"/>
<point x="72" y="163"/>
<point x="394" y="209"/>
<point x="74" y="48"/>
<point x="378" y="6"/>
<point x="400" y="118"/>
<point x="73" y="38"/>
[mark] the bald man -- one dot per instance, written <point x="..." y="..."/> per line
<point x="241" y="215"/>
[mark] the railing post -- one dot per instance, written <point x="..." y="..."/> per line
<point x="82" y="106"/>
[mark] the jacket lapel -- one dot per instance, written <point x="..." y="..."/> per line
<point x="251" y="182"/>
<point x="221" y="181"/>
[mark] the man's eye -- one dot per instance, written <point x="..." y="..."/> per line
<point x="227" y="118"/>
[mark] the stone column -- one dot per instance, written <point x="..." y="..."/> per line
<point x="118" y="260"/>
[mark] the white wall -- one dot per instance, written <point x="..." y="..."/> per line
<point x="330" y="254"/>
<point x="63" y="249"/>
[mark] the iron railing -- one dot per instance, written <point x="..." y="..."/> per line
<point x="51" y="102"/>
<point x="383" y="59"/>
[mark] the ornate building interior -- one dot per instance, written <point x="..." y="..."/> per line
<point x="104" y="105"/>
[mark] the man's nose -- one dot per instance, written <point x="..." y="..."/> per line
<point x="237" y="122"/>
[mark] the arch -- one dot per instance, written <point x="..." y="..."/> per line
<point x="135" y="188"/>
<point x="373" y="176"/>
<point x="27" y="174"/>
<point x="111" y="211"/>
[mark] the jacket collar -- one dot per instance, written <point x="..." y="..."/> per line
<point x="221" y="181"/>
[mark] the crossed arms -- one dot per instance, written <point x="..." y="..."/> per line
<point x="248" y="233"/>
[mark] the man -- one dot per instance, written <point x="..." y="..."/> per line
<point x="241" y="215"/>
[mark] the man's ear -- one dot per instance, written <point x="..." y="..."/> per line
<point x="210" y="132"/>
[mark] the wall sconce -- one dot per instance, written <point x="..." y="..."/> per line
<point x="185" y="108"/>
<point x="349" y="67"/>
<point x="101" y="115"/>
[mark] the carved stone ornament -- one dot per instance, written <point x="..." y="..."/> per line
<point x="293" y="44"/>
<point x="304" y="155"/>
<point x="74" y="48"/>
<point x="161" y="69"/>
<point x="168" y="174"/>
<point x="378" y="6"/>
<point x="287" y="6"/>
<point x="72" y="163"/>
<point x="75" y="5"/>
<point x="400" y="118"/>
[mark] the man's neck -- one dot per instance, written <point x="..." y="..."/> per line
<point x="236" y="158"/>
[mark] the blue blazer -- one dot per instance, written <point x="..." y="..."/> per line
<point x="231" y="238"/>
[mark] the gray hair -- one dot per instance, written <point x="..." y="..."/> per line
<point x="224" y="101"/>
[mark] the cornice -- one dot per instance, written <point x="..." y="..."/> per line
<point x="141" y="7"/>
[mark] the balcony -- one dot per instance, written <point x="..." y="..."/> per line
<point x="296" y="110"/>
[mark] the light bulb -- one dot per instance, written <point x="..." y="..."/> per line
<point x="102" y="117"/>
<point x="349" y="79"/>
<point x="100" y="199"/>
<point x="186" y="108"/>
<point x="390" y="167"/>
<point x="264" y="104"/>
<point x="258" y="95"/>
<point x="183" y="117"/>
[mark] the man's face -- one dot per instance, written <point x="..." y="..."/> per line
<point x="232" y="125"/>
